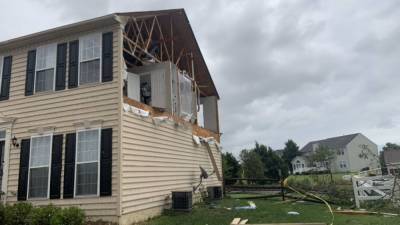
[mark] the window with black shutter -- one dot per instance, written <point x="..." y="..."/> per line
<point x="106" y="162"/>
<point x="107" y="60"/>
<point x="73" y="64"/>
<point x="69" y="166"/>
<point x="5" y="77"/>
<point x="61" y="66"/>
<point x="30" y="73"/>
<point x="56" y="164"/>
<point x="23" y="170"/>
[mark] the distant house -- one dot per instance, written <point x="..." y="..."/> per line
<point x="392" y="160"/>
<point x="353" y="152"/>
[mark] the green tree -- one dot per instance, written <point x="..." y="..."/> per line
<point x="392" y="146"/>
<point x="252" y="165"/>
<point x="230" y="165"/>
<point x="323" y="157"/>
<point x="290" y="151"/>
<point x="274" y="166"/>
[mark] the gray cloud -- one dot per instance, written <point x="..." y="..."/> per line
<point x="284" y="69"/>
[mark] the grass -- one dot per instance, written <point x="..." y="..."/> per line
<point x="321" y="178"/>
<point x="268" y="211"/>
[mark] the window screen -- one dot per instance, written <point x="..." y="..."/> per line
<point x="45" y="67"/>
<point x="186" y="95"/>
<point x="87" y="162"/>
<point x="39" y="166"/>
<point x="90" y="54"/>
<point x="2" y="134"/>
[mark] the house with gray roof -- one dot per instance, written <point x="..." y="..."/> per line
<point x="353" y="152"/>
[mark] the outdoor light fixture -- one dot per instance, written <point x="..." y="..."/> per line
<point x="15" y="142"/>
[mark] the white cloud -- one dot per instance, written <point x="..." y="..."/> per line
<point x="284" y="69"/>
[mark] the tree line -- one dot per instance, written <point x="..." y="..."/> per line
<point x="261" y="161"/>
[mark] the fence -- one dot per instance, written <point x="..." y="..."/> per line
<point x="373" y="188"/>
<point x="272" y="187"/>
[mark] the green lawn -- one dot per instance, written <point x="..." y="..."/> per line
<point x="321" y="178"/>
<point x="268" y="211"/>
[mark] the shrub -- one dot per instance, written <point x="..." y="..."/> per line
<point x="2" y="209"/>
<point x="43" y="215"/>
<point x="26" y="214"/>
<point x="17" y="214"/>
<point x="68" y="216"/>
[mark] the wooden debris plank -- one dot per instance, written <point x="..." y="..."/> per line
<point x="244" y="221"/>
<point x="235" y="221"/>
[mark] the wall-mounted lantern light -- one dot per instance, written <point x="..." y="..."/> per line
<point x="15" y="142"/>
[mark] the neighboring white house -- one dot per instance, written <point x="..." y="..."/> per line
<point x="353" y="152"/>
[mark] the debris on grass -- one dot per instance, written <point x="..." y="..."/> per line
<point x="251" y="205"/>
<point x="293" y="213"/>
<point x="364" y="212"/>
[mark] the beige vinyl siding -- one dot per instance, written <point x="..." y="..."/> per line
<point x="157" y="160"/>
<point x="62" y="110"/>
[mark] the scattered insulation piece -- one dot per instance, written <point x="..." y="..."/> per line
<point x="196" y="139"/>
<point x="160" y="119"/>
<point x="137" y="111"/>
<point x="209" y="140"/>
<point x="251" y="205"/>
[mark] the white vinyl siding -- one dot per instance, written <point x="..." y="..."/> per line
<point x="87" y="163"/>
<point x="39" y="166"/>
<point x="90" y="58"/>
<point x="46" y="57"/>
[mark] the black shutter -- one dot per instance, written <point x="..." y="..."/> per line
<point x="30" y="73"/>
<point x="107" y="66"/>
<point x="61" y="66"/>
<point x="23" y="169"/>
<point x="106" y="162"/>
<point x="56" y="160"/>
<point x="73" y="64"/>
<point x="69" y="166"/>
<point x="6" y="77"/>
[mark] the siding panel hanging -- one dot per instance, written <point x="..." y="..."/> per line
<point x="30" y="73"/>
<point x="107" y="59"/>
<point x="73" y="64"/>
<point x="23" y="170"/>
<point x="106" y="162"/>
<point x="61" y="66"/>
<point x="6" y="77"/>
<point x="69" y="166"/>
<point x="56" y="161"/>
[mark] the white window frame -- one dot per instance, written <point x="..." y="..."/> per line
<point x="49" y="165"/>
<point x="87" y="60"/>
<point x="98" y="162"/>
<point x="1" y="70"/>
<point x="42" y="69"/>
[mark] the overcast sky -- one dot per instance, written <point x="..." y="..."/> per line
<point x="302" y="70"/>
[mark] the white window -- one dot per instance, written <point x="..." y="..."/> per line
<point x="87" y="162"/>
<point x="90" y="58"/>
<point x="39" y="166"/>
<point x="343" y="164"/>
<point x="186" y="95"/>
<point x="45" y="68"/>
<point x="1" y="70"/>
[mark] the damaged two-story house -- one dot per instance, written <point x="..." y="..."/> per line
<point x="105" y="115"/>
